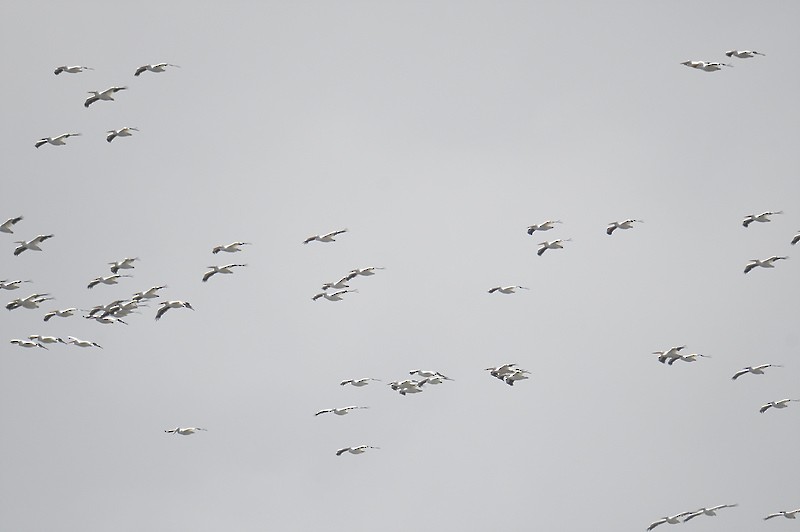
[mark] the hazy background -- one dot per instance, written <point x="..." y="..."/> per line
<point x="436" y="131"/>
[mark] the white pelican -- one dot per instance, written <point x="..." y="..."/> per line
<point x="327" y="237"/>
<point x="555" y="244"/>
<point x="30" y="302"/>
<point x="755" y="370"/>
<point x="515" y="375"/>
<point x="46" y="339"/>
<point x="742" y="54"/>
<point x="107" y="308"/>
<point x="82" y="343"/>
<point x="544" y="226"/>
<point x="336" y="296"/>
<point x="501" y="371"/>
<point x="783" y="403"/>
<point x="6" y="226"/>
<point x="711" y="512"/>
<point x="109" y="279"/>
<point x="428" y="374"/>
<point x="625" y="224"/>
<point x="71" y="69"/>
<point x="124" y="264"/>
<point x="408" y="386"/>
<point x="691" y="357"/>
<point x="355" y="450"/>
<point x="233" y="247"/>
<point x="56" y="141"/>
<point x="184" y="431"/>
<point x="150" y="293"/>
<point x="5" y="284"/>
<point x="796" y="239"/>
<point x="66" y="313"/>
<point x="106" y="319"/>
<point x="358" y="383"/>
<point x="763" y="217"/>
<point x="507" y="289"/>
<point x="706" y="66"/>
<point x="121" y="132"/>
<point x="339" y="411"/>
<point x="166" y="305"/>
<point x="764" y="263"/>
<point x="370" y="270"/>
<point x="673" y="520"/>
<point x="788" y="514"/>
<point x="671" y="353"/>
<point x="31" y="244"/>
<point x="107" y="95"/>
<point x="341" y="283"/>
<point x="157" y="67"/>
<point x="220" y="269"/>
<point x="27" y="343"/>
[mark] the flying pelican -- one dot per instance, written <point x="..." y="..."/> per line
<point x="515" y="375"/>
<point x="791" y="514"/>
<point x="673" y="520"/>
<point x="626" y="224"/>
<point x="5" y="284"/>
<point x="56" y="141"/>
<point x="742" y="54"/>
<point x="158" y="67"/>
<point x="763" y="217"/>
<point x="428" y="374"/>
<point x="81" y="343"/>
<point x="327" y="237"/>
<point x="110" y="279"/>
<point x="358" y="383"/>
<point x="46" y="339"/>
<point x="336" y="296"/>
<point x="355" y="450"/>
<point x="341" y="283"/>
<point x="233" y="247"/>
<point x="6" y="226"/>
<point x="783" y="403"/>
<point x="706" y="65"/>
<point x="544" y="226"/>
<point x="370" y="270"/>
<point x="107" y="95"/>
<point x="671" y="353"/>
<point x="796" y="239"/>
<point x="692" y="357"/>
<point x="339" y="411"/>
<point x="555" y="244"/>
<point x="711" y="512"/>
<point x="501" y="371"/>
<point x="507" y="289"/>
<point x="105" y="309"/>
<point x="764" y="263"/>
<point x="71" y="69"/>
<point x="27" y="343"/>
<point x="755" y="370"/>
<point x="106" y="319"/>
<point x="31" y="244"/>
<point x="30" y="302"/>
<point x="220" y="269"/>
<point x="184" y="431"/>
<point x="408" y="386"/>
<point x="124" y="264"/>
<point x="66" y="313"/>
<point x="166" y="305"/>
<point x="121" y="132"/>
<point x="150" y="293"/>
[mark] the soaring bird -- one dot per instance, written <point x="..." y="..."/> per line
<point x="27" y="343"/>
<point x="755" y="370"/>
<point x="711" y="512"/>
<point x="107" y="95"/>
<point x="625" y="224"/>
<point x="109" y="279"/>
<point x="355" y="450"/>
<point x="220" y="269"/>
<point x="544" y="226"/>
<point x="796" y="238"/>
<point x="166" y="305"/>
<point x="763" y="263"/>
<point x="339" y="411"/>
<point x="30" y="302"/>
<point x="184" y="431"/>
<point x="56" y="141"/>
<point x="106" y="319"/>
<point x="742" y="54"/>
<point x="82" y="343"/>
<point x="124" y="264"/>
<point x="341" y="283"/>
<point x="233" y="247"/>
<point x="783" y="403"/>
<point x="706" y="66"/>
<point x="673" y="520"/>
<point x="502" y="370"/>
<point x="428" y="374"/>
<point x="370" y="270"/>
<point x="46" y="339"/>
<point x="157" y="67"/>
<point x="5" y="284"/>
<point x="554" y="244"/>
<point x="65" y="313"/>
<point x="327" y="237"/>
<point x="358" y="383"/>
<point x="692" y="357"/>
<point x="788" y="514"/>
<point x="121" y="132"/>
<point x="515" y="375"/>
<point x="71" y="69"/>
<point x="336" y="296"/>
<point x="408" y="386"/>
<point x="150" y="293"/>
<point x="763" y="217"/>
<point x="507" y="289"/>
<point x="6" y="226"/>
<point x="33" y="245"/>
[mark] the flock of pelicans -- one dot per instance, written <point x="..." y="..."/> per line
<point x="115" y="311"/>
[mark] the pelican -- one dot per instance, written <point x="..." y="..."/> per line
<point x="110" y="279"/>
<point x="27" y="343"/>
<point x="692" y="357"/>
<point x="358" y="383"/>
<point x="31" y="244"/>
<point x="742" y="54"/>
<point x="515" y="375"/>
<point x="11" y="285"/>
<point x="555" y="244"/>
<point x="158" y="67"/>
<point x="507" y="289"/>
<point x="796" y="239"/>
<point x="544" y="226"/>
<point x="336" y="296"/>
<point x="711" y="512"/>
<point x="783" y="403"/>
<point x="30" y="302"/>
<point x="706" y="65"/>
<point x="670" y="354"/>
<point x="71" y="69"/>
<point x="124" y="264"/>
<point x="763" y="217"/>
<point x="82" y="343"/>
<point x="105" y="309"/>
<point x="46" y="339"/>
<point x="184" y="431"/>
<point x="56" y="141"/>
<point x="370" y="270"/>
<point x="166" y="305"/>
<point x="6" y="226"/>
<point x="327" y="237"/>
<point x="626" y="224"/>
<point x="233" y="247"/>
<point x="150" y="293"/>
<point x="755" y="370"/>
<point x="341" y="283"/>
<point x="107" y="95"/>
<point x="66" y="313"/>
<point x="355" y="450"/>
<point x="428" y="374"/>
<point x="121" y="132"/>
<point x="340" y="411"/>
<point x="106" y="319"/>
<point x="221" y="269"/>
<point x="790" y="514"/>
<point x="408" y="386"/>
<point x="502" y="370"/>
<point x="673" y="520"/>
<point x="764" y="263"/>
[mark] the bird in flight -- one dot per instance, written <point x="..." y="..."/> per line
<point x="121" y="132"/>
<point x="762" y="218"/>
<point x="33" y="244"/>
<point x="763" y="263"/>
<point x="340" y="411"/>
<point x="708" y="511"/>
<point x="6" y="226"/>
<point x="56" y="141"/>
<point x="220" y="269"/>
<point x="755" y="370"/>
<point x="355" y="450"/>
<point x="106" y="95"/>
<point x="157" y="67"/>
<point x="783" y="403"/>
<point x="184" y="431"/>
<point x="327" y="237"/>
<point x="625" y="224"/>
<point x="71" y="69"/>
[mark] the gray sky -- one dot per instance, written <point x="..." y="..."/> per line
<point x="436" y="132"/>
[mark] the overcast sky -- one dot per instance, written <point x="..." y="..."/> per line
<point x="436" y="132"/>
